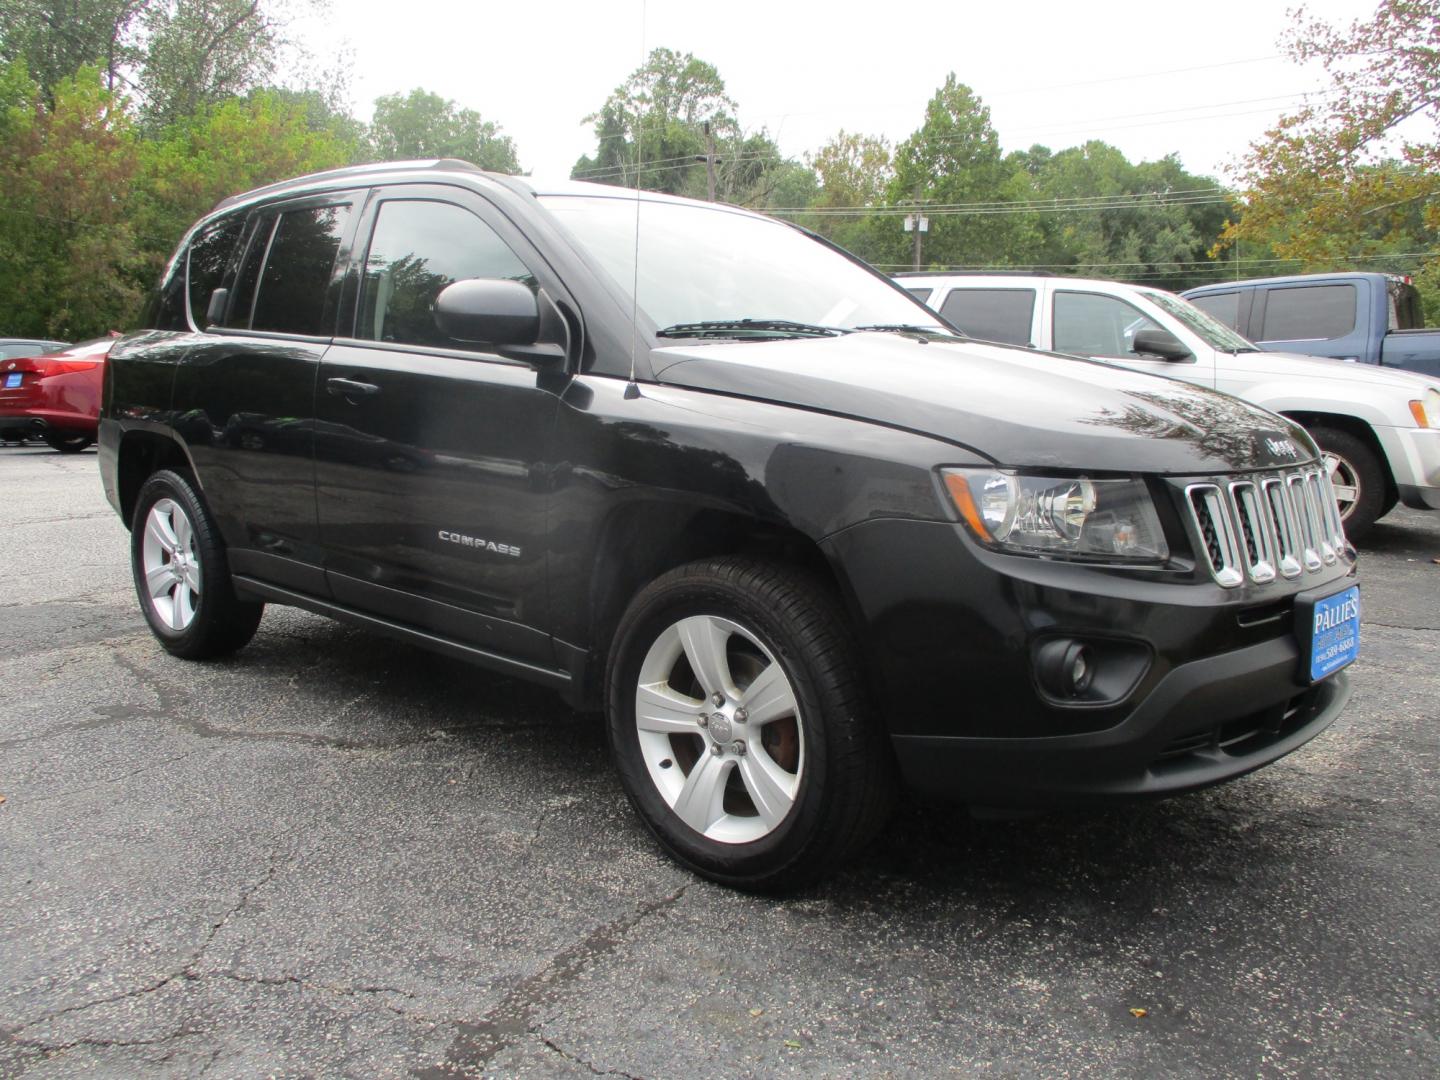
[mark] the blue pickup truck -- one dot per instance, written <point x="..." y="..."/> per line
<point x="1369" y="318"/>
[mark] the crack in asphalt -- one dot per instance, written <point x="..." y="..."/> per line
<point x="49" y="1050"/>
<point x="576" y="1059"/>
<point x="513" y="1018"/>
<point x="173" y="709"/>
<point x="186" y="971"/>
<point x="1401" y="626"/>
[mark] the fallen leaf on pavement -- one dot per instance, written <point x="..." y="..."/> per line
<point x="1139" y="1013"/>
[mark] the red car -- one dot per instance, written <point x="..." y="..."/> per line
<point x="56" y="396"/>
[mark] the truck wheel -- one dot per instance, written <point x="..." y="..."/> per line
<point x="740" y="726"/>
<point x="1358" y="477"/>
<point x="181" y="574"/>
<point x="67" y="444"/>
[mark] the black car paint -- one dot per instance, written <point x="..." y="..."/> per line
<point x="820" y="450"/>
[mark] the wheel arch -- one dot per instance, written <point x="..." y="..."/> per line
<point x="1351" y="425"/>
<point x="645" y="540"/>
<point x="140" y="455"/>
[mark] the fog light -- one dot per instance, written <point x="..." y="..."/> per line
<point x="1079" y="659"/>
<point x="1065" y="668"/>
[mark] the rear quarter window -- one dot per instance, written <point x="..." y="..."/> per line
<point x="208" y="260"/>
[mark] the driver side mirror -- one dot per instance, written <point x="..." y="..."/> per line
<point x="1161" y="343"/>
<point x="520" y="322"/>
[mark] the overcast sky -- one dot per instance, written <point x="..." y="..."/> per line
<point x="1198" y="79"/>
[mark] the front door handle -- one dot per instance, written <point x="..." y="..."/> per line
<point x="350" y="388"/>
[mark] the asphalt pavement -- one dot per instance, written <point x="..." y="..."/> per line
<point x="333" y="855"/>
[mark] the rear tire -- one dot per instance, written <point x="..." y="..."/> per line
<point x="741" y="727"/>
<point x="181" y="574"/>
<point x="67" y="444"/>
<point x="1358" y="476"/>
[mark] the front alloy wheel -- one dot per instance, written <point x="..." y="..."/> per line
<point x="741" y="725"/>
<point x="719" y="729"/>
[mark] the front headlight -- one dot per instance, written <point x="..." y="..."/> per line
<point x="1427" y="410"/>
<point x="1060" y="517"/>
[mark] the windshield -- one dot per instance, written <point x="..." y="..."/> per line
<point x="1211" y="330"/>
<point x="709" y="264"/>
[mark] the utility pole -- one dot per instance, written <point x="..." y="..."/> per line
<point x="918" y="224"/>
<point x="709" y="162"/>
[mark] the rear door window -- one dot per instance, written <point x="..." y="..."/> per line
<point x="921" y="294"/>
<point x="418" y="247"/>
<point x="293" y="287"/>
<point x="1309" y="313"/>
<point x="992" y="314"/>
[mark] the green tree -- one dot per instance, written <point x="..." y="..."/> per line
<point x="853" y="173"/>
<point x="651" y="131"/>
<point x="170" y="56"/>
<point x="1108" y="217"/>
<point x="56" y="38"/>
<point x="1355" y="177"/>
<point x="953" y="164"/>
<point x="424" y="125"/>
<point x="68" y="254"/>
<point x="239" y="144"/>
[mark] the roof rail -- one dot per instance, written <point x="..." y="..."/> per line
<point x="357" y="171"/>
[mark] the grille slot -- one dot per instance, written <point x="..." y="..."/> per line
<point x="1281" y="525"/>
<point x="1218" y="532"/>
<point x="1259" y="545"/>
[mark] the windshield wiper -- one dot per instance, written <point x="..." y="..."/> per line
<point x="908" y="328"/>
<point x="746" y="327"/>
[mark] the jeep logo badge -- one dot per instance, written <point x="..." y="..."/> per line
<point x="1282" y="448"/>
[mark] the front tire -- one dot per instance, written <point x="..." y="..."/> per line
<point x="181" y="574"/>
<point x="1358" y="476"/>
<point x="741" y="727"/>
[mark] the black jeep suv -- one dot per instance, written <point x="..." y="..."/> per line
<point x="701" y="469"/>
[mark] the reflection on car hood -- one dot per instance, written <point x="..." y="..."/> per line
<point x="1018" y="407"/>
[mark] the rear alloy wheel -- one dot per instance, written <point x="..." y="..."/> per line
<point x="181" y="574"/>
<point x="1357" y="475"/>
<point x="740" y="726"/>
<point x="68" y="444"/>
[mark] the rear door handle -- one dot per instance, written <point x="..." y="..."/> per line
<point x="350" y="388"/>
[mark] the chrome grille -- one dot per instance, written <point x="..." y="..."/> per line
<point x="1254" y="529"/>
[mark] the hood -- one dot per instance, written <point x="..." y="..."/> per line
<point x="1015" y="406"/>
<point x="1297" y="365"/>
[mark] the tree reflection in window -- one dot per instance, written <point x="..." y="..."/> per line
<point x="416" y="250"/>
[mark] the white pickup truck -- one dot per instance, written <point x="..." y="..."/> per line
<point x="1379" y="429"/>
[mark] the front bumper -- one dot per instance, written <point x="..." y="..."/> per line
<point x="1414" y="456"/>
<point x="1211" y="685"/>
<point x="1204" y="724"/>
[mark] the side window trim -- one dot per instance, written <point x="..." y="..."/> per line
<point x="264" y="262"/>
